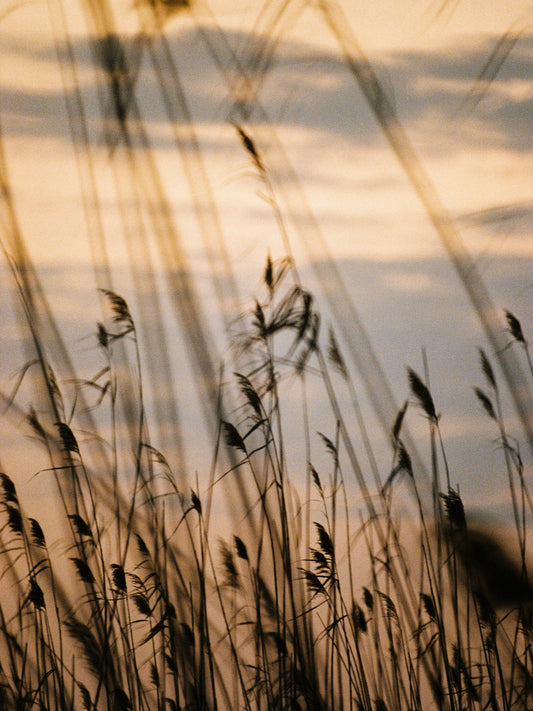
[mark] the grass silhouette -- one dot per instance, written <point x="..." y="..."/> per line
<point x="142" y="605"/>
<point x="136" y="591"/>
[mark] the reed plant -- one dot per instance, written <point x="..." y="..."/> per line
<point x="259" y="583"/>
<point x="141" y="604"/>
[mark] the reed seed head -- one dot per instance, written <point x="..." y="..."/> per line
<point x="422" y="394"/>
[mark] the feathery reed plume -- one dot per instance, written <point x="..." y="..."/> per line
<point x="422" y="394"/>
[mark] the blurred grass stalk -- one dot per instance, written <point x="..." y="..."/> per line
<point x="139" y="603"/>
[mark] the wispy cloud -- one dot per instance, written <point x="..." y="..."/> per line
<point x="300" y="85"/>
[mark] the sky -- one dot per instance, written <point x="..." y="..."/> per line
<point x="457" y="78"/>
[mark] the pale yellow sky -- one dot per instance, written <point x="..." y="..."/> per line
<point x="308" y="109"/>
<point x="28" y="67"/>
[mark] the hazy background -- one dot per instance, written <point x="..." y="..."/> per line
<point x="458" y="75"/>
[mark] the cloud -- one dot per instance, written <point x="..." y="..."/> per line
<point x="299" y="85"/>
